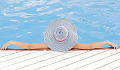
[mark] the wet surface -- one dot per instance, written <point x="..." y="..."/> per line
<point x="26" y="20"/>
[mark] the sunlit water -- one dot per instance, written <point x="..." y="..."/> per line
<point x="26" y="20"/>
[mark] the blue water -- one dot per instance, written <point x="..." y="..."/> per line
<point x="26" y="20"/>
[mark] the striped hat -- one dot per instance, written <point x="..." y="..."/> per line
<point x="60" y="35"/>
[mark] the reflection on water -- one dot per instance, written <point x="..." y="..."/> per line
<point x="26" y="20"/>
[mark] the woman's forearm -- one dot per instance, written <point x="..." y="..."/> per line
<point x="24" y="45"/>
<point x="20" y="44"/>
<point x="98" y="44"/>
<point x="91" y="45"/>
<point x="29" y="46"/>
<point x="94" y="45"/>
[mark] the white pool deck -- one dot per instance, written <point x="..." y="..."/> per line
<point x="108" y="59"/>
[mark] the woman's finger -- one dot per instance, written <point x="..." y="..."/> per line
<point x="2" y="48"/>
<point x="5" y="48"/>
<point x="114" y="47"/>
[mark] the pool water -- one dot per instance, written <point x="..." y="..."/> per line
<point x="26" y="20"/>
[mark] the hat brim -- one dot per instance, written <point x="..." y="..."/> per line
<point x="55" y="45"/>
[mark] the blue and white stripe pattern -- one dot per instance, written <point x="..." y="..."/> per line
<point x="60" y="35"/>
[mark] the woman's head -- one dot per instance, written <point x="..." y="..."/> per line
<point x="60" y="35"/>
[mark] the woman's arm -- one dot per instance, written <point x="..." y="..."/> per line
<point x="43" y="45"/>
<point x="94" y="45"/>
<point x="24" y="45"/>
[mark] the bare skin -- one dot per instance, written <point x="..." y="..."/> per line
<point x="43" y="45"/>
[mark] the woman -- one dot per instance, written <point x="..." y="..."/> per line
<point x="60" y="35"/>
<point x="44" y="46"/>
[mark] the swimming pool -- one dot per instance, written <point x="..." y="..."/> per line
<point x="26" y="20"/>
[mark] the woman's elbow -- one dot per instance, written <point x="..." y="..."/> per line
<point x="29" y="46"/>
<point x="90" y="46"/>
<point x="84" y="46"/>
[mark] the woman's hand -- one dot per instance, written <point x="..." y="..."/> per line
<point x="6" y="45"/>
<point x="113" y="45"/>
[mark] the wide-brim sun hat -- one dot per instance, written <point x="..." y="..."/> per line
<point x="60" y="35"/>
